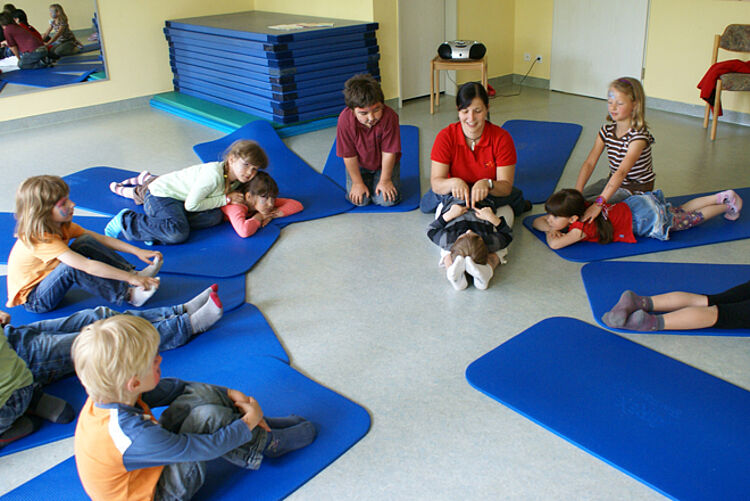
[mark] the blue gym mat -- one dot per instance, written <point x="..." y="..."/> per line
<point x="543" y="149"/>
<point x="280" y="390"/>
<point x="252" y="91"/>
<point x="211" y="252"/>
<point x="712" y="231"/>
<point x="173" y="289"/>
<point x="255" y="25"/>
<point x="80" y="58"/>
<point x="51" y="77"/>
<point x="410" y="190"/>
<point x="91" y="47"/>
<point x="678" y="430"/>
<point x="319" y="195"/>
<point x="606" y="280"/>
<point x="243" y="330"/>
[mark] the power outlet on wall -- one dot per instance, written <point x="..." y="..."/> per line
<point x="527" y="57"/>
<point x="538" y="58"/>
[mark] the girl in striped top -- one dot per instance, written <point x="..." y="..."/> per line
<point x="628" y="144"/>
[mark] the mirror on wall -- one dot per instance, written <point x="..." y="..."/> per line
<point x="73" y="56"/>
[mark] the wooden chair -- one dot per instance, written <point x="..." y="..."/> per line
<point x="736" y="38"/>
<point x="438" y="63"/>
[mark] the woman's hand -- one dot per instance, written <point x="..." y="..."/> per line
<point x="479" y="191"/>
<point x="459" y="189"/>
<point x="591" y="213"/>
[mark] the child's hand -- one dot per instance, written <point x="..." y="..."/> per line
<point x="253" y="414"/>
<point x="263" y="219"/>
<point x="235" y="197"/>
<point x="459" y="189"/>
<point x="387" y="189"/>
<point x="147" y="283"/>
<point x="4" y="318"/>
<point x="149" y="256"/>
<point x="485" y="214"/>
<point x="358" y="193"/>
<point x="455" y="211"/>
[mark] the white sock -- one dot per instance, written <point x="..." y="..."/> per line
<point x="456" y="274"/>
<point x="207" y="315"/>
<point x="139" y="295"/>
<point x="482" y="273"/>
<point x="151" y="270"/>
<point x="194" y="304"/>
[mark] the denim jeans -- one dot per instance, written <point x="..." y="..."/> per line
<point x="430" y="200"/>
<point x="651" y="215"/>
<point x="45" y="346"/>
<point x="49" y="292"/>
<point x="38" y="58"/>
<point x="371" y="180"/>
<point x="166" y="221"/>
<point x="203" y="408"/>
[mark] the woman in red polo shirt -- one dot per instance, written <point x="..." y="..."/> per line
<point x="474" y="159"/>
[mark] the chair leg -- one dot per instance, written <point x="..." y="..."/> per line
<point x="717" y="109"/>
<point x="432" y="88"/>
<point x="706" y="116"/>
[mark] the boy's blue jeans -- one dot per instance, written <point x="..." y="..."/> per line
<point x="166" y="221"/>
<point x="203" y="408"/>
<point x="371" y="179"/>
<point x="49" y="292"/>
<point x="45" y="347"/>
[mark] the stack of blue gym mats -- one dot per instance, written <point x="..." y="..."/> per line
<point x="280" y="67"/>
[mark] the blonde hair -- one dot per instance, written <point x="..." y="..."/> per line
<point x="632" y="88"/>
<point x="109" y="352"/>
<point x="470" y="245"/>
<point x="62" y="17"/>
<point x="249" y="151"/>
<point x="35" y="199"/>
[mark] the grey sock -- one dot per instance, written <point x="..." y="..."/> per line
<point x="20" y="428"/>
<point x="194" y="304"/>
<point x="51" y="408"/>
<point x="644" y="322"/>
<point x="207" y="315"/>
<point x="628" y="303"/>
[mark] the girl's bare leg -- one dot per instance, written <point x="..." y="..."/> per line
<point x="692" y="317"/>
<point x="672" y="301"/>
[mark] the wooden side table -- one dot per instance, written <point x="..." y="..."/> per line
<point x="438" y="63"/>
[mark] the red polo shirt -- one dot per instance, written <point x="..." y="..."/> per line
<point x="495" y="149"/>
<point x="354" y="139"/>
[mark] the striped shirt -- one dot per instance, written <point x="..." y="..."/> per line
<point x="642" y="172"/>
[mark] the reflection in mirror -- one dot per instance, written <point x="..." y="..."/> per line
<point x="45" y="45"/>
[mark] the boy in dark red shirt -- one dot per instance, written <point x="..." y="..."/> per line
<point x="368" y="138"/>
<point x="29" y="50"/>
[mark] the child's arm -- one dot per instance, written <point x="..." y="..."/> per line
<point x="590" y="163"/>
<point x="557" y="239"/>
<point x="201" y="198"/>
<point x="60" y="29"/>
<point x="4" y="318"/>
<point x="147" y="256"/>
<point x="442" y="184"/>
<point x="615" y="181"/>
<point x="385" y="185"/>
<point x="237" y="215"/>
<point x="501" y="236"/>
<point x="359" y="188"/>
<point x="437" y="231"/>
<point x="103" y="270"/>
<point x="287" y="207"/>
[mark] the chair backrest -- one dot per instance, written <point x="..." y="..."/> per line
<point x="736" y="37"/>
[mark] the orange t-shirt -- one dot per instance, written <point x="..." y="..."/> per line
<point x="27" y="266"/>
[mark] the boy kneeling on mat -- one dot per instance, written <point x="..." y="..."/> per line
<point x="123" y="452"/>
<point x="368" y="138"/>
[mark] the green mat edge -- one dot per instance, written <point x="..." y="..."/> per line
<point x="226" y="119"/>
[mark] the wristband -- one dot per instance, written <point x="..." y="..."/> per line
<point x="600" y="201"/>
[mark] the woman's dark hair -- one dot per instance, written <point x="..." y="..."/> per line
<point x="261" y="185"/>
<point x="468" y="91"/>
<point x="570" y="202"/>
<point x="21" y="16"/>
